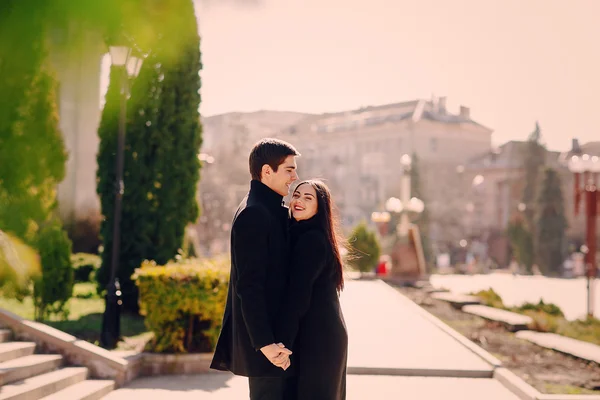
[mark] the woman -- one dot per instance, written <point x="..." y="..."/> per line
<point x="311" y="323"/>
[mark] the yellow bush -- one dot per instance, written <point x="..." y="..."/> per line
<point x="183" y="303"/>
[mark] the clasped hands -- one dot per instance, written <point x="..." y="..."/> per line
<point x="278" y="354"/>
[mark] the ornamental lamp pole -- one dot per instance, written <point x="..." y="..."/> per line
<point x="129" y="66"/>
<point x="586" y="169"/>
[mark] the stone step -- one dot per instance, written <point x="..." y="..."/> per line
<point x="86" y="390"/>
<point x="514" y="322"/>
<point x="28" y="366"/>
<point x="577" y="348"/>
<point x="457" y="300"/>
<point x="12" y="350"/>
<point x="40" y="386"/>
<point x="5" y="335"/>
<point x="435" y="290"/>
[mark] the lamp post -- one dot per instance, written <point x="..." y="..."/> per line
<point x="407" y="255"/>
<point x="405" y="203"/>
<point x="586" y="169"/>
<point x="129" y="66"/>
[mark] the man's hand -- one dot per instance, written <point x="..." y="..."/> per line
<point x="278" y="354"/>
<point x="287" y="362"/>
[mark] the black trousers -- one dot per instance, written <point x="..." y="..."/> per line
<point x="272" y="388"/>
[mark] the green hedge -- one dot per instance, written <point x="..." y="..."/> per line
<point x="52" y="291"/>
<point x="183" y="303"/>
<point x="84" y="266"/>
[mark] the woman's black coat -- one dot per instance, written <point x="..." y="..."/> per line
<point x="311" y="323"/>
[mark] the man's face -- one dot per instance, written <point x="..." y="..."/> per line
<point x="281" y="180"/>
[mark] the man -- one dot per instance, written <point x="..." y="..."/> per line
<point x="259" y="272"/>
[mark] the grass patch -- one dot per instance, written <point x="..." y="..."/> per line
<point x="587" y="330"/>
<point x="547" y="317"/>
<point x="85" y="315"/>
<point x="553" y="388"/>
<point x="85" y="290"/>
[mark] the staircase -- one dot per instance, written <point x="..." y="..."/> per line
<point x="25" y="375"/>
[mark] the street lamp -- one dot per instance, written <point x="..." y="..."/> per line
<point x="588" y="168"/>
<point x="405" y="204"/>
<point x="129" y="65"/>
<point x="381" y="219"/>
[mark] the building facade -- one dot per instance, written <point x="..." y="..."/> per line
<point x="358" y="154"/>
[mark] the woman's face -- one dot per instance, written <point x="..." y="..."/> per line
<point x="304" y="202"/>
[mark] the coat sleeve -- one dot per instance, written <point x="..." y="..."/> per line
<point x="308" y="260"/>
<point x="251" y="231"/>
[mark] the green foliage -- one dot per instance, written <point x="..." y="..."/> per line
<point x="183" y="304"/>
<point x="54" y="288"/>
<point x="161" y="154"/>
<point x="32" y="152"/>
<point x="84" y="266"/>
<point x="490" y="298"/>
<point x="587" y="329"/>
<point x="364" y="249"/>
<point x="542" y="322"/>
<point x="19" y="263"/>
<point x="547" y="308"/>
<point x="521" y="243"/>
<point x="551" y="225"/>
<point x="29" y="135"/>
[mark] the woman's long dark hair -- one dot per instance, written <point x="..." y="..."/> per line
<point x="329" y="222"/>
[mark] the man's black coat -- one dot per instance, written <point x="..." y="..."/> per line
<point x="259" y="273"/>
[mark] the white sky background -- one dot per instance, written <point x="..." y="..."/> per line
<point x="511" y="61"/>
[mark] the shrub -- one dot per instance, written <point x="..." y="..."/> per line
<point x="55" y="286"/>
<point x="543" y="322"/>
<point x="548" y="308"/>
<point x="84" y="265"/>
<point x="587" y="329"/>
<point x="19" y="263"/>
<point x="364" y="248"/>
<point x="490" y="298"/>
<point x="183" y="303"/>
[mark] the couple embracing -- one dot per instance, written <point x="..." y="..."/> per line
<point x="283" y="326"/>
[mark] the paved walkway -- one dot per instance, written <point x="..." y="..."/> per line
<point x="219" y="386"/>
<point x="386" y="332"/>
<point x="395" y="351"/>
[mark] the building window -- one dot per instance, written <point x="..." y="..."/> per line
<point x="433" y="144"/>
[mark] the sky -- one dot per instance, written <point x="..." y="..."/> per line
<point x="512" y="62"/>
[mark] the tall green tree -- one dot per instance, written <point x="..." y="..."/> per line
<point x="422" y="220"/>
<point x="180" y="133"/>
<point x="161" y="154"/>
<point x="551" y="224"/>
<point x="32" y="148"/>
<point x="534" y="160"/>
<point x="521" y="242"/>
<point x="31" y="145"/>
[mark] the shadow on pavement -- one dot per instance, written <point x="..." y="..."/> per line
<point x="209" y="382"/>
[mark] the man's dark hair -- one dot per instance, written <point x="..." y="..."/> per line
<point x="272" y="152"/>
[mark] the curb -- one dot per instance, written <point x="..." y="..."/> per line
<point x="516" y="385"/>
<point x="427" y="373"/>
